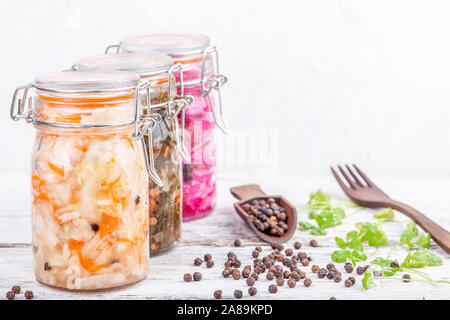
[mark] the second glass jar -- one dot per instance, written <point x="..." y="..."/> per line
<point x="165" y="142"/>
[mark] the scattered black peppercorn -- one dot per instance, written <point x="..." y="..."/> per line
<point x="258" y="249"/>
<point x="289" y="252"/>
<point x="252" y="291"/>
<point x="218" y="294"/>
<point x="255" y="276"/>
<point x="296" y="276"/>
<point x="10" y="295"/>
<point x="313" y="243"/>
<point x="94" y="227"/>
<point x="210" y="263"/>
<point x="280" y="282"/>
<point x="255" y="254"/>
<point x="332" y="298"/>
<point x="250" y="281"/>
<point x="394" y="264"/>
<point x="198" y="262"/>
<point x="226" y="273"/>
<point x="15" y="289"/>
<point x="273" y="288"/>
<point x="360" y="270"/>
<point x="236" y="274"/>
<point x="330" y="266"/>
<point x="337" y="277"/>
<point x="237" y="243"/>
<point x="353" y="280"/>
<point x="207" y="257"/>
<point x="47" y="267"/>
<point x="302" y="255"/>
<point x="348" y="267"/>
<point x="377" y="273"/>
<point x="286" y="274"/>
<point x="307" y="282"/>
<point x="291" y="283"/>
<point x="29" y="295"/>
<point x="187" y="277"/>
<point x="277" y="246"/>
<point x="237" y="294"/>
<point x="246" y="273"/>
<point x="231" y="255"/>
<point x="304" y="262"/>
<point x="197" y="276"/>
<point x="406" y="278"/>
<point x="315" y="268"/>
<point x="297" y="245"/>
<point x="348" y="283"/>
<point x="137" y="200"/>
<point x="330" y="275"/>
<point x="322" y="273"/>
<point x="236" y="263"/>
<point x="270" y="276"/>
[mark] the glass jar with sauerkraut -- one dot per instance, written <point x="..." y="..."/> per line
<point x="201" y="80"/>
<point x="89" y="178"/>
<point x="165" y="141"/>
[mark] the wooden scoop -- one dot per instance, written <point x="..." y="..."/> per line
<point x="251" y="192"/>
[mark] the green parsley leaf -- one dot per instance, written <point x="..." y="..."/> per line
<point x="384" y="215"/>
<point x="367" y="280"/>
<point x="342" y="256"/>
<point x="381" y="262"/>
<point x="410" y="233"/>
<point x="421" y="259"/>
<point x="319" y="200"/>
<point x="373" y="234"/>
<point x="305" y="225"/>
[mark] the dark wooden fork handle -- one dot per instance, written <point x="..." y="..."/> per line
<point x="439" y="234"/>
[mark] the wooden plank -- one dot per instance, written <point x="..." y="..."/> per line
<point x="215" y="235"/>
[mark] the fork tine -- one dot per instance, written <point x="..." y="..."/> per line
<point x="339" y="180"/>
<point x="350" y="181"/>
<point x="366" y="179"/>
<point x="355" y="177"/>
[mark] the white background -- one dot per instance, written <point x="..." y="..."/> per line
<point x="340" y="81"/>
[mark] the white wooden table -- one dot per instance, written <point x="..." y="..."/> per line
<point x="215" y="235"/>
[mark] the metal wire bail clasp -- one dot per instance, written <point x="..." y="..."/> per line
<point x="144" y="126"/>
<point x="216" y="81"/>
<point x="175" y="106"/>
<point x="19" y="110"/>
<point x="116" y="46"/>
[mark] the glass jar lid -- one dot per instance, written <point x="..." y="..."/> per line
<point x="142" y="63"/>
<point x="87" y="81"/>
<point x="173" y="44"/>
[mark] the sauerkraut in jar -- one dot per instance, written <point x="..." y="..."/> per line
<point x="166" y="143"/>
<point x="199" y="60"/>
<point x="89" y="180"/>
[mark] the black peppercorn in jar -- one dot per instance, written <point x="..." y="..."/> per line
<point x="166" y="139"/>
<point x="88" y="169"/>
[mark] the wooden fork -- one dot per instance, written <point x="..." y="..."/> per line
<point x="369" y="195"/>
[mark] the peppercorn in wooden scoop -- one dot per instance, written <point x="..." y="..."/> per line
<point x="272" y="218"/>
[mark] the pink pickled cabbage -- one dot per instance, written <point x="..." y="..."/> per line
<point x="199" y="190"/>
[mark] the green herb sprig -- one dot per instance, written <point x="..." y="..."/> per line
<point x="325" y="211"/>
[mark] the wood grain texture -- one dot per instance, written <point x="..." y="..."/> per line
<point x="215" y="235"/>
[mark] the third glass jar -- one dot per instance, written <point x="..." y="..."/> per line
<point x="202" y="81"/>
